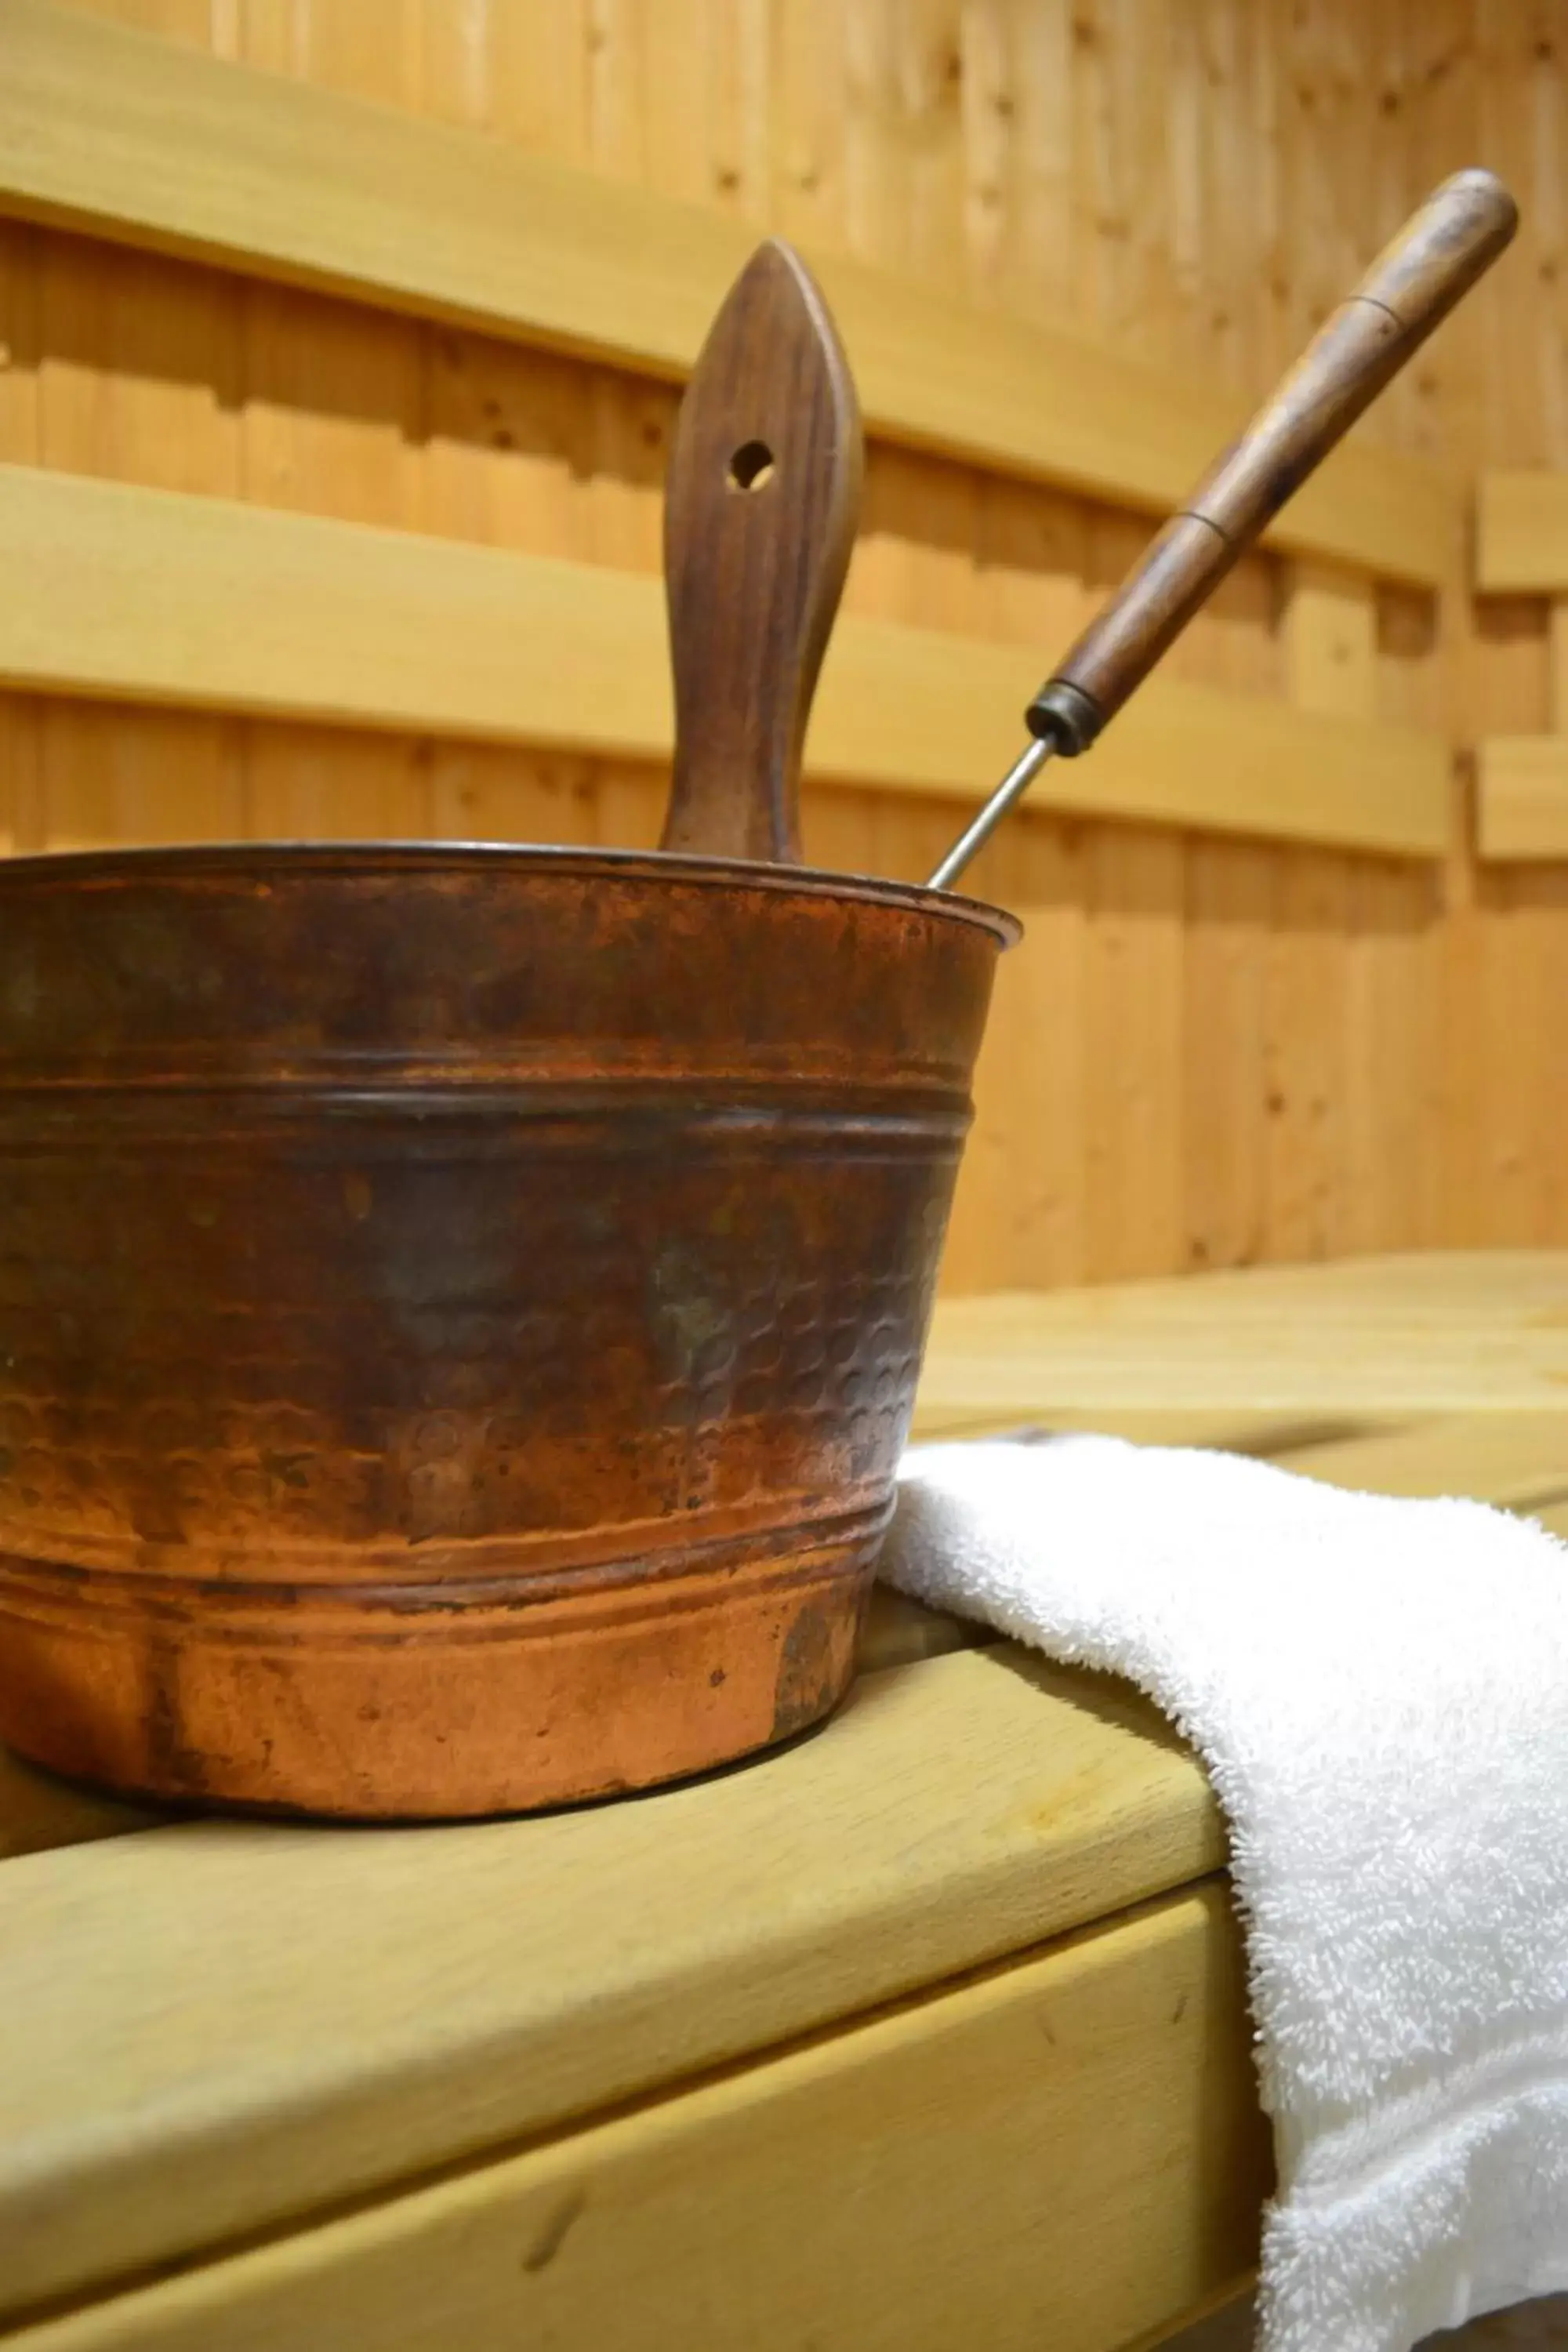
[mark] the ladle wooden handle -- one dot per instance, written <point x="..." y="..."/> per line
<point x="764" y="481"/>
<point x="1414" y="284"/>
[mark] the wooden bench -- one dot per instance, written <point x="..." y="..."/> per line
<point x="928" y="2031"/>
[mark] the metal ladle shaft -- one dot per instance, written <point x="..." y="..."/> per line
<point x="1436" y="259"/>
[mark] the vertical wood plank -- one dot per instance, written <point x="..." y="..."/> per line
<point x="1034" y="1105"/>
<point x="138" y="371"/>
<point x="322" y="784"/>
<point x="1389" y="1093"/>
<point x="914" y="559"/>
<point x="1550" y="1093"/>
<point x="1230" y="890"/>
<point x="1461" y="958"/>
<point x="1557" y="663"/>
<point x="509" y="447"/>
<point x="1506" y="1113"/>
<point x="137" y="380"/>
<point x="505" y="453"/>
<point x="615" y="136"/>
<point x="988" y="100"/>
<point x="689" y="103"/>
<point x="1326" y="1068"/>
<point x="478" y="792"/>
<point x="631" y="426"/>
<point x="1305" y="1021"/>
<point x="1521" y="1115"/>
<point x="109" y="777"/>
<point x="1041" y="191"/>
<point x="807" y="91"/>
<point x="1328" y="638"/>
<point x="1133" y="998"/>
<point x="333" y="424"/>
<point x="517" y="68"/>
<point x="21" y="794"/>
<point x="1410" y="690"/>
<point x="630" y="803"/>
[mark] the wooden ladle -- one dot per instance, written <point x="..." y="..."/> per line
<point x="1410" y="288"/>
<point x="763" y="493"/>
<point x="763" y="487"/>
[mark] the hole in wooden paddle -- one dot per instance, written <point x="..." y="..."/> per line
<point x="750" y="466"/>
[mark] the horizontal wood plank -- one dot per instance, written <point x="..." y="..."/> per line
<point x="149" y="596"/>
<point x="1516" y="1460"/>
<point x="217" y="2027"/>
<point x="108" y="130"/>
<point x="1363" y="1341"/>
<point x="1071" y="2146"/>
<point x="1521" y="532"/>
<point x="1521" y="798"/>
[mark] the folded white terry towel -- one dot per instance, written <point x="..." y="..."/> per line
<point x="1379" y="1691"/>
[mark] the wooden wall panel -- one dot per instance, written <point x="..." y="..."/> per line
<point x="1205" y="1052"/>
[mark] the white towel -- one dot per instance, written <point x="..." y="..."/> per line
<point x="1379" y="1691"/>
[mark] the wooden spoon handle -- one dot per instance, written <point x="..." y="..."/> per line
<point x="764" y="481"/>
<point x="1414" y="284"/>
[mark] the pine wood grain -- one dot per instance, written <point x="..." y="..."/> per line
<point x="1521" y="531"/>
<point x="1329" y="637"/>
<point x="1521" y="798"/>
<point x="347" y="2009"/>
<point x="414" y="217"/>
<point x="1133" y="1168"/>
<point x="982" y="2110"/>
<point x="137" y="595"/>
<point x="138" y="372"/>
<point x="1518" y="1460"/>
<point x="1230" y="897"/>
<point x="1446" y="1331"/>
<point x="333" y="417"/>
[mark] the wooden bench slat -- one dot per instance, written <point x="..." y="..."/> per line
<point x="1516" y="1460"/>
<point x="208" y="2029"/>
<point x="1009" y="2146"/>
<point x="1362" y="1341"/>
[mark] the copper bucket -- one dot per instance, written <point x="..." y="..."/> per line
<point x="461" y="1307"/>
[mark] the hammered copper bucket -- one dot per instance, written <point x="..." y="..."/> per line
<point x="461" y="1307"/>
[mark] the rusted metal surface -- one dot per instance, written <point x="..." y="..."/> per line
<point x="459" y="1308"/>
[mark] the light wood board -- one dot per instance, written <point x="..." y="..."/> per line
<point x="1386" y="1338"/>
<point x="1521" y="532"/>
<point x="151" y="596"/>
<point x="941" y="2175"/>
<point x="1521" y="798"/>
<point x="146" y="142"/>
<point x="217" y="2027"/>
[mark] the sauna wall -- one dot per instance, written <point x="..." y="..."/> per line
<point x="1209" y="1051"/>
